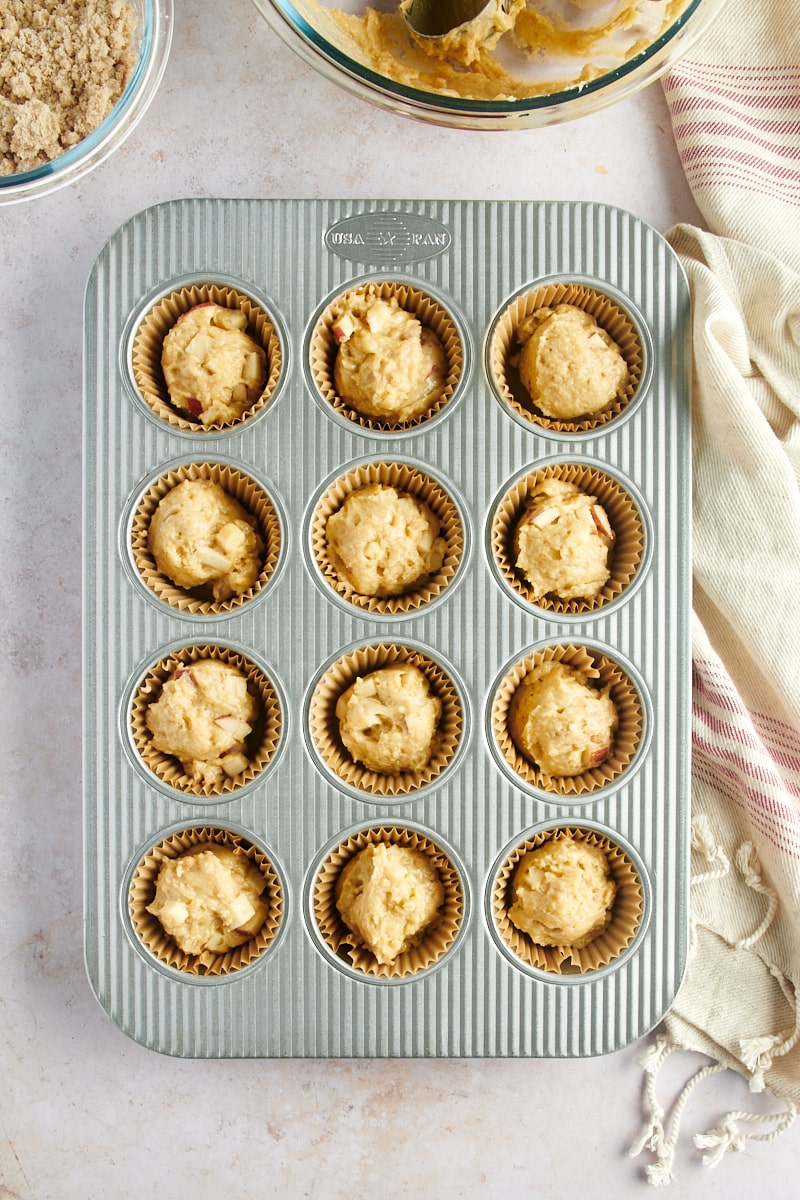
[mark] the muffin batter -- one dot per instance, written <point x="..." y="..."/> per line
<point x="560" y="721"/>
<point x="568" y="364"/>
<point x="562" y="542"/>
<point x="388" y="719"/>
<point x="203" y="717"/>
<point x="563" y="893"/>
<point x="388" y="365"/>
<point x="200" y="536"/>
<point x="213" y="369"/>
<point x="209" y="900"/>
<point x="388" y="896"/>
<point x="383" y="542"/>
<point x="548" y="44"/>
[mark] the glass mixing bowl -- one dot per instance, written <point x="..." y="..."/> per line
<point x="567" y="84"/>
<point x="154" y="20"/>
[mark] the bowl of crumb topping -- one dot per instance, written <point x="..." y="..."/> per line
<point x="75" y="80"/>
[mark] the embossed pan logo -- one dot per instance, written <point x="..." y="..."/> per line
<point x="387" y="237"/>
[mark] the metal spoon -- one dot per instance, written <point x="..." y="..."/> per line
<point x="435" y="18"/>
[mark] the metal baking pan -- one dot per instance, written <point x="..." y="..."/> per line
<point x="299" y="998"/>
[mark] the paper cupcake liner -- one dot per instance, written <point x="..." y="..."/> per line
<point x="504" y="349"/>
<point x="261" y="744"/>
<point x="434" y="941"/>
<point x="626" y="915"/>
<point x="252" y="498"/>
<point x="430" y="314"/>
<point x="404" y="478"/>
<point x="627" y="551"/>
<point x="627" y="738"/>
<point x="148" y="344"/>
<point x="324" y="725"/>
<point x="148" y="928"/>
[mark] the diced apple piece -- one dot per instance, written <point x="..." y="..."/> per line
<point x="200" y="345"/>
<point x="194" y="406"/>
<point x="344" y="328"/>
<point x="209" y="557"/>
<point x="229" y="318"/>
<point x="598" y="756"/>
<point x="545" y="515"/>
<point x="239" y="393"/>
<point x="234" y="763"/>
<point x="251" y="371"/>
<point x="234" y="726"/>
<point x="601" y="521"/>
<point x="241" y="911"/>
<point x="231" y="538"/>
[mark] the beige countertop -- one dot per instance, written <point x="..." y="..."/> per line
<point x="86" y="1114"/>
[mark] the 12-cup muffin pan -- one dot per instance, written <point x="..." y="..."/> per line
<point x="476" y="986"/>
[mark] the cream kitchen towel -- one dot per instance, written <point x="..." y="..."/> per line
<point x="735" y="108"/>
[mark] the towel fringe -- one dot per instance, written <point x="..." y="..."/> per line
<point x="662" y="1141"/>
<point x="750" y="868"/>
<point x="728" y="1137"/>
<point x="758" y="1053"/>
<point x="704" y="842"/>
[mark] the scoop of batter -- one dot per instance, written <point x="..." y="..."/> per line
<point x="209" y="899"/>
<point x="388" y="895"/>
<point x="383" y="542"/>
<point x="569" y="365"/>
<point x="563" y="893"/>
<point x="561" y="722"/>
<point x="212" y="367"/>
<point x="388" y="719"/>
<point x="388" y="365"/>
<point x="562" y="542"/>
<point x="203" y="717"/>
<point x="200" y="535"/>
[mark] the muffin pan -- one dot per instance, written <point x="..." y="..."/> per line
<point x="472" y="987"/>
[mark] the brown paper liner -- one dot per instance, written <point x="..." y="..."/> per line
<point x="149" y="930"/>
<point x="435" y="940"/>
<point x="261" y="745"/>
<point x="324" y="725"/>
<point x="148" y="343"/>
<point x="403" y="478"/>
<point x="627" y="738"/>
<point x="252" y="498"/>
<point x="626" y="553"/>
<point x="626" y="914"/>
<point x="504" y="348"/>
<point x="430" y="314"/>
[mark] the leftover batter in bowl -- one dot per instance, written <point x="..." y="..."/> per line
<point x="384" y="542"/>
<point x="213" y="369"/>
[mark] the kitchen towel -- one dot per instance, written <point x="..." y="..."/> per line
<point x="734" y="102"/>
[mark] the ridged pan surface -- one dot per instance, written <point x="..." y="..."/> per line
<point x="299" y="997"/>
